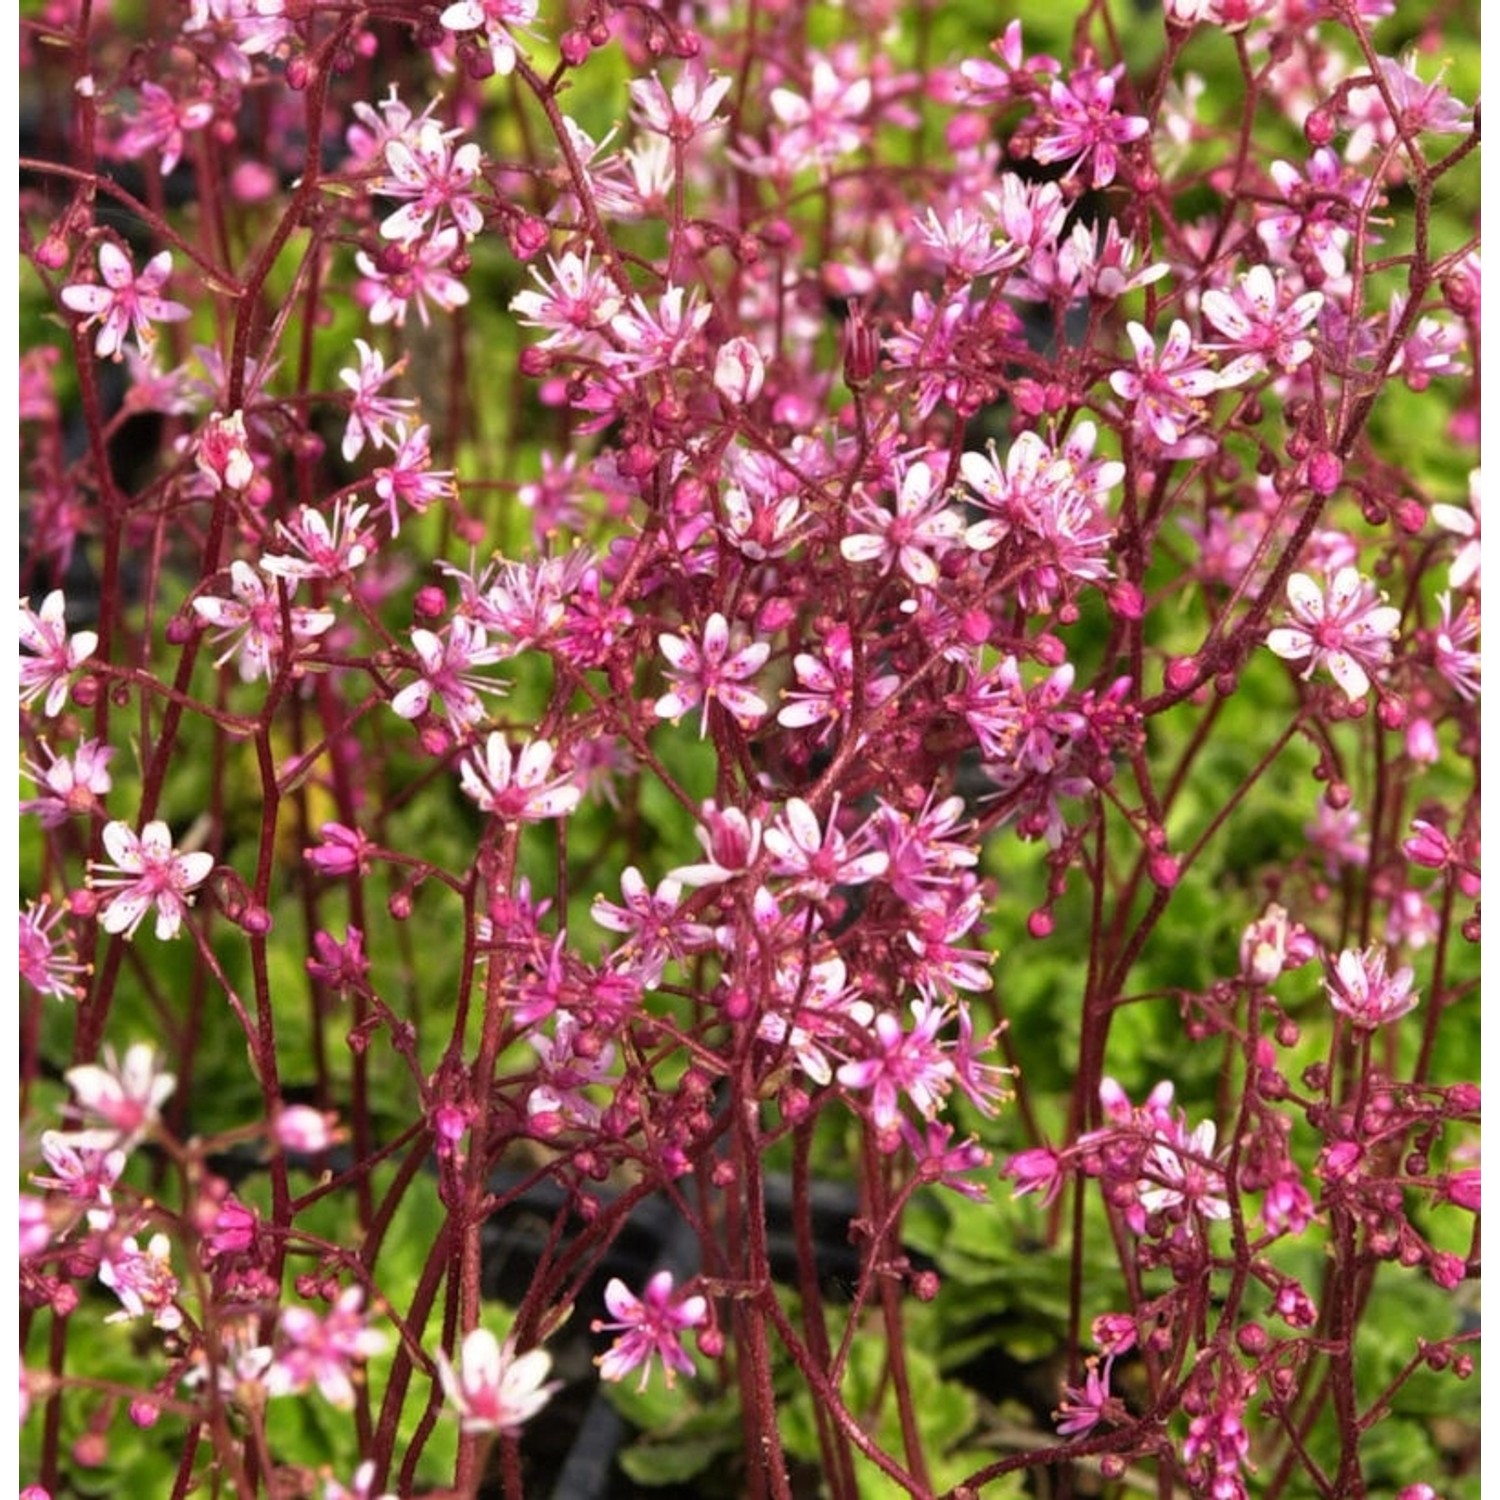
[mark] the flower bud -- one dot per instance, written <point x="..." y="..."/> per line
<point x="739" y="372"/>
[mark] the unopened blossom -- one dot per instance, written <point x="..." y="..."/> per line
<point x="143" y="1281"/>
<point x="1079" y="121"/>
<point x="124" y="302"/>
<point x="437" y="181"/>
<point x="248" y="622"/>
<point x="706" y="671"/>
<point x="323" y="1350"/>
<point x="650" y="1327"/>
<point x="300" y="1127"/>
<point x="373" y="417"/>
<point x="519" y="787"/>
<point x="145" y="870"/>
<point x="493" y="1388"/>
<point x="221" y="453"/>
<point x="1273" y="943"/>
<point x="915" y="536"/>
<point x="1343" y="627"/>
<point x="497" y="20"/>
<point x="739" y="372"/>
<point x="1167" y="389"/>
<point x="1359" y="987"/>
<point x="53" y="655"/>
<point x="69" y="785"/>
<point x="731" y="841"/>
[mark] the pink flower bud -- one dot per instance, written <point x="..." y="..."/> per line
<point x="1447" y="1270"/>
<point x="343" y="851"/>
<point x="301" y="1128"/>
<point x="223" y="453"/>
<point x="739" y="372"/>
<point x="1324" y="472"/>
<point x="1462" y="1189"/>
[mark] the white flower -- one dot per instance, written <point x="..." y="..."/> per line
<point x="494" y="1388"/>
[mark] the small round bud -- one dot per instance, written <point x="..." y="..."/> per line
<point x="1112" y="1466"/>
<point x="711" y="1343"/>
<point x="144" y="1412"/>
<point x="1181" y="674"/>
<point x="1039" y="924"/>
<point x="1252" y="1339"/>
<point x="91" y="1450"/>
<point x="925" y="1285"/>
<point x="429" y="603"/>
<point x="1325" y="472"/>
<point x="1318" y="127"/>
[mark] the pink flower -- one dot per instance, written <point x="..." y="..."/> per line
<point x="69" y="785"/>
<point x="409" y="273"/>
<point x="321" y="546"/>
<point x="1261" y="324"/>
<point x="580" y="300"/>
<point x="372" y="417"/>
<point x="685" y="111"/>
<point x="409" y="478"/>
<point x="914" y="1063"/>
<point x="1344" y="628"/>
<point x="447" y="668"/>
<point x="437" y="181"/>
<point x="143" y="1281"/>
<point x="48" y="964"/>
<point x="709" y="673"/>
<point x="1182" y="1174"/>
<point x="160" y="120"/>
<point x="55" y="656"/>
<point x="821" y="858"/>
<point x="650" y="1326"/>
<point x="1359" y="987"/>
<point x="914" y="538"/>
<point x="1040" y="1169"/>
<point x="146" y="871"/>
<point x="321" y="1351"/>
<point x="300" y="1127"/>
<point x="1079" y="121"/>
<point x="124" y="1097"/>
<point x="1080" y="1411"/>
<point x="125" y="302"/>
<point x="249" y="620"/>
<point x="518" y="787"/>
<point x="494" y="1388"/>
<point x="1168" y="388"/>
<point x="496" y="19"/>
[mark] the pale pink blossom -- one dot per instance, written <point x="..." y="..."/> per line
<point x="54" y="654"/>
<point x="70" y="785"/>
<point x="410" y="480"/>
<point x="518" y="787"/>
<point x="437" y="181"/>
<point x="1343" y="627"/>
<point x="321" y="1351"/>
<point x="145" y="870"/>
<point x="248" y="622"/>
<point x="125" y="302"/>
<point x="494" y="1388"/>
<point x="706" y="671"/>
<point x="497" y="20"/>
<point x="1359" y="987"/>
<point x="143" y="1281"/>
<point x="373" y="418"/>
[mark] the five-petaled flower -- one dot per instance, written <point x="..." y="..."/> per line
<point x="1344" y="628"/>
<point x="55" y="655"/>
<point x="146" y="871"/>
<point x="649" y="1326"/>
<point x="494" y="1388"/>
<point x="706" y="671"/>
<point x="1359" y="987"/>
<point x="518" y="787"/>
<point x="125" y="302"/>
